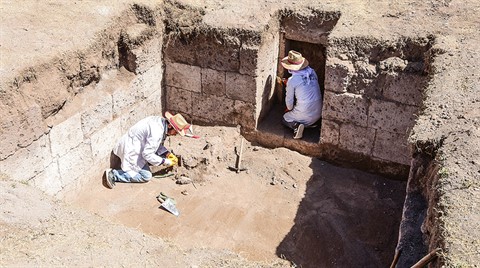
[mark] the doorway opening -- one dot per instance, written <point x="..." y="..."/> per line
<point x="315" y="54"/>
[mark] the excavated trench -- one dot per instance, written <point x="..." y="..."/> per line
<point x="372" y="92"/>
<point x="346" y="212"/>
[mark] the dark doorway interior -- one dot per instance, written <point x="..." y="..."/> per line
<point x="315" y="53"/>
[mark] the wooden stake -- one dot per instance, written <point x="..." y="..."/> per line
<point x="239" y="159"/>
<point x="425" y="260"/>
<point x="237" y="168"/>
<point x="395" y="258"/>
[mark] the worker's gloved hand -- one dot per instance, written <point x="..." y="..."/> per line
<point x="167" y="162"/>
<point x="282" y="80"/>
<point x="172" y="158"/>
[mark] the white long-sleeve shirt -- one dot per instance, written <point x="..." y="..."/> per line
<point x="303" y="97"/>
<point x="142" y="144"/>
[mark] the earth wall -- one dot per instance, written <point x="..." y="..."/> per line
<point x="69" y="113"/>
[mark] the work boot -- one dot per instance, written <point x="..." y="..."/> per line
<point x="109" y="178"/>
<point x="298" y="132"/>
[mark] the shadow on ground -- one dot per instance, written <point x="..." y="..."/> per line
<point x="347" y="218"/>
<point x="273" y="124"/>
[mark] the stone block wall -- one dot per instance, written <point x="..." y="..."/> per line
<point x="212" y="77"/>
<point x="372" y="97"/>
<point x="313" y="26"/>
<point x="373" y="92"/>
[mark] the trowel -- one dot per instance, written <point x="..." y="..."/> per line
<point x="169" y="205"/>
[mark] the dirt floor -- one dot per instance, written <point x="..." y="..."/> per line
<point x="310" y="201"/>
<point x="284" y="204"/>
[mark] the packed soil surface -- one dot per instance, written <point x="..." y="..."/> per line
<point x="280" y="218"/>
<point x="282" y="205"/>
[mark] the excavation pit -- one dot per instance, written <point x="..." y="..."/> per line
<point x="313" y="214"/>
<point x="334" y="198"/>
<point x="285" y="206"/>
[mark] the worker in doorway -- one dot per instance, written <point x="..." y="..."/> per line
<point x="303" y="97"/>
<point x="143" y="146"/>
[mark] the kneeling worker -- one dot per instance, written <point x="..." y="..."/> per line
<point x="143" y="146"/>
<point x="303" y="97"/>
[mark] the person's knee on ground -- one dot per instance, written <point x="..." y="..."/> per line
<point x="291" y="125"/>
<point x="140" y="178"/>
<point x="122" y="176"/>
<point x="144" y="175"/>
<point x="297" y="128"/>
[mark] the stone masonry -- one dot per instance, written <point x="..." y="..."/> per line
<point x="371" y="101"/>
<point x="218" y="83"/>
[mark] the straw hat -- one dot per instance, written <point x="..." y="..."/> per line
<point x="294" y="61"/>
<point x="181" y="125"/>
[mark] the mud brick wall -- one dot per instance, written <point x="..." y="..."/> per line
<point x="213" y="77"/>
<point x="373" y="93"/>
<point x="80" y="136"/>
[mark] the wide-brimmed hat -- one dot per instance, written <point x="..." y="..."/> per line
<point x="180" y="124"/>
<point x="294" y="61"/>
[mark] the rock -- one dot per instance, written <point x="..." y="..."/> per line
<point x="183" y="180"/>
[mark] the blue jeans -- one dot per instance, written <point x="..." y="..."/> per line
<point x="143" y="175"/>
